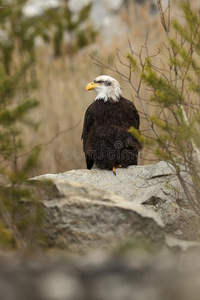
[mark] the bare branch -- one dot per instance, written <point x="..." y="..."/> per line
<point x="52" y="139"/>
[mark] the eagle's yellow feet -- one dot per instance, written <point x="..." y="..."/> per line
<point x="114" y="171"/>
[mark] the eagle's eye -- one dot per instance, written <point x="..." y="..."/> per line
<point x="98" y="81"/>
<point x="107" y="83"/>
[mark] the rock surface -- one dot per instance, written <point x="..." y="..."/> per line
<point x="136" y="183"/>
<point x="83" y="217"/>
<point x="154" y="186"/>
<point x="101" y="277"/>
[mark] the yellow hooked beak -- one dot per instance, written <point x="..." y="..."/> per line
<point x="91" y="86"/>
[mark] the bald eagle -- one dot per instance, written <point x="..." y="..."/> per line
<point x="107" y="143"/>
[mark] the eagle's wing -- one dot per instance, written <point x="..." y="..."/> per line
<point x="132" y="114"/>
<point x="86" y="137"/>
<point x="132" y="119"/>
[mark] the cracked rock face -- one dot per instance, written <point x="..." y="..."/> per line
<point x="154" y="186"/>
<point x="83" y="217"/>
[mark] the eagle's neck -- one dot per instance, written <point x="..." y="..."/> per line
<point x="109" y="97"/>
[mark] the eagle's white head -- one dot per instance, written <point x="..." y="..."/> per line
<point x="106" y="87"/>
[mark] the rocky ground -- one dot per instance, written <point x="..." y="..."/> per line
<point x="145" y="201"/>
<point x="129" y="236"/>
<point x="102" y="277"/>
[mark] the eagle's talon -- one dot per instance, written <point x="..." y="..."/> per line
<point x="114" y="171"/>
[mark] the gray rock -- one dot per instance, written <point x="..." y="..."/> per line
<point x="182" y="246"/>
<point x="155" y="186"/>
<point x="83" y="217"/>
<point x="136" y="183"/>
<point x="101" y="277"/>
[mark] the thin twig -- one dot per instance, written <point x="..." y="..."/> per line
<point x="52" y="139"/>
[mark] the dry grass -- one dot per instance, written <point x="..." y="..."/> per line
<point x="64" y="99"/>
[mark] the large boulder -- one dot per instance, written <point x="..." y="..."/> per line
<point x="154" y="186"/>
<point x="80" y="217"/>
<point x="136" y="183"/>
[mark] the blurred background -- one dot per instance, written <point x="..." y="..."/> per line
<point x="65" y="39"/>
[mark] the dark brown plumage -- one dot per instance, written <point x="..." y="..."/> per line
<point x="106" y="140"/>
